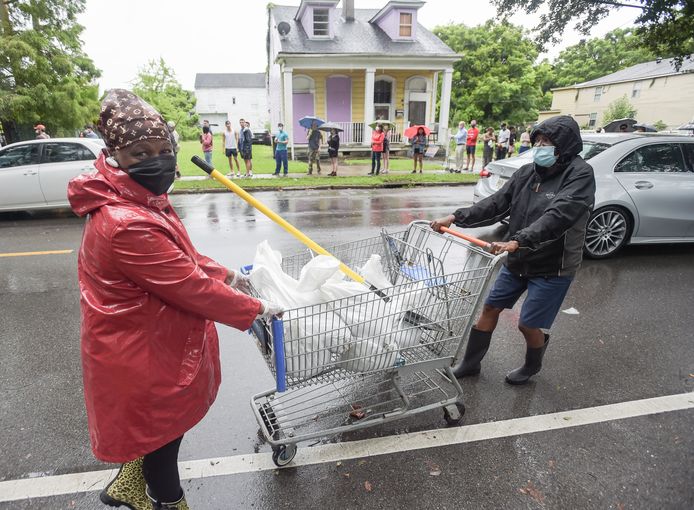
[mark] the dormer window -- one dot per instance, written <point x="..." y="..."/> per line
<point x="405" y="24"/>
<point x="321" y="22"/>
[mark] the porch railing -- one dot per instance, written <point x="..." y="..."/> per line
<point x="353" y="133"/>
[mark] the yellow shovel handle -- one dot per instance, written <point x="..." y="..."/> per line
<point x="219" y="177"/>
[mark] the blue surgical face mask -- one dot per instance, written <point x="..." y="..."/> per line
<point x="544" y="156"/>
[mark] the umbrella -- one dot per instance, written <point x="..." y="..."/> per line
<point x="328" y="126"/>
<point x="648" y="128"/>
<point x="689" y="126"/>
<point x="308" y="121"/>
<point x="613" y="127"/>
<point x="411" y="131"/>
<point x="382" y="122"/>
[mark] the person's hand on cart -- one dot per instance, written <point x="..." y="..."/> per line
<point x="270" y="310"/>
<point x="446" y="221"/>
<point x="238" y="281"/>
<point x="497" y="248"/>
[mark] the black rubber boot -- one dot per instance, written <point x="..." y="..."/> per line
<point x="477" y="347"/>
<point x="533" y="364"/>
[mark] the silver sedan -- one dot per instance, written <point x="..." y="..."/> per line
<point x="644" y="189"/>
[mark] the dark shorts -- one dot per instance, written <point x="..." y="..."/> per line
<point x="418" y="151"/>
<point x="230" y="152"/>
<point x="470" y="149"/>
<point x="247" y="154"/>
<point x="541" y="305"/>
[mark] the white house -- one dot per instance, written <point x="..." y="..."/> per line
<point x="222" y="96"/>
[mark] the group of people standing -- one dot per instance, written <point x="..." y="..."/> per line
<point x="499" y="145"/>
<point x="234" y="142"/>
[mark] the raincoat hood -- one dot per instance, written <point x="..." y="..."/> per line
<point x="106" y="186"/>
<point x="564" y="132"/>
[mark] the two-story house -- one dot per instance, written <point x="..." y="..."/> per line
<point x="222" y="96"/>
<point x="353" y="66"/>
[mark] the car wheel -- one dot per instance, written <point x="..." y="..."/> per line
<point x="608" y="230"/>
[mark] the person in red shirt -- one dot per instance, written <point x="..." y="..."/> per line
<point x="471" y="145"/>
<point x="149" y="300"/>
<point x="377" y="138"/>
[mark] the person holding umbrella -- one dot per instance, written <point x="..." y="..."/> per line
<point x="149" y="300"/>
<point x="333" y="149"/>
<point x="386" y="147"/>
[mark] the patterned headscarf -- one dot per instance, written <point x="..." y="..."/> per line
<point x="125" y="119"/>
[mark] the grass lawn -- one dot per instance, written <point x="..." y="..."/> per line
<point x="264" y="163"/>
<point x="315" y="182"/>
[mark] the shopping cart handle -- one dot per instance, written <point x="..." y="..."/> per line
<point x="470" y="239"/>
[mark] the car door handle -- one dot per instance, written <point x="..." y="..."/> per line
<point x="643" y="184"/>
<point x="30" y="172"/>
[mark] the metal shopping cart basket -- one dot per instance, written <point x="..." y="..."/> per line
<point x="372" y="358"/>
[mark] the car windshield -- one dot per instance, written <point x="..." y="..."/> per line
<point x="592" y="149"/>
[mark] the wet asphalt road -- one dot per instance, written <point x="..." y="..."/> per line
<point x="631" y="340"/>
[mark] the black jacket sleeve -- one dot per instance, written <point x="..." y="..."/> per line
<point x="492" y="209"/>
<point x="575" y="198"/>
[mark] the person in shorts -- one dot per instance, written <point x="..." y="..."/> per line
<point x="471" y="146"/>
<point x="548" y="202"/>
<point x="419" y="147"/>
<point x="247" y="147"/>
<point x="231" y="142"/>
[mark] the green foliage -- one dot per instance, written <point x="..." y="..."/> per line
<point x="600" y="56"/>
<point x="156" y="83"/>
<point x="660" y="125"/>
<point x="44" y="74"/>
<point x="665" y="27"/>
<point x="497" y="79"/>
<point x="619" y="109"/>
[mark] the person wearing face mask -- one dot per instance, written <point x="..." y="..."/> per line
<point x="548" y="203"/>
<point x="149" y="300"/>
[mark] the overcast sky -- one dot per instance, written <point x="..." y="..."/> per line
<point x="228" y="36"/>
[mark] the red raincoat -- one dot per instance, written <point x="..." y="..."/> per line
<point x="150" y="353"/>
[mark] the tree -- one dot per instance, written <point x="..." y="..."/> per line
<point x="156" y="83"/>
<point x="599" y="56"/>
<point x="497" y="79"/>
<point x="619" y="109"/>
<point x="44" y="74"/>
<point x="666" y="27"/>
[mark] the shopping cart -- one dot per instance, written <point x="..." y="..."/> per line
<point x="376" y="357"/>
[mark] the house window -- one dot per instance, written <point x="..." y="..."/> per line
<point x="592" y="120"/>
<point x="405" y="24"/>
<point x="636" y="90"/>
<point x="383" y="92"/>
<point x="321" y="22"/>
<point x="598" y="94"/>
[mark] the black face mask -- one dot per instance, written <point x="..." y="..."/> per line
<point x="156" y="174"/>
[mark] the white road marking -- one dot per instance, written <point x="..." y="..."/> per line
<point x="41" y="487"/>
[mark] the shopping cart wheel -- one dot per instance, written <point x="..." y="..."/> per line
<point x="283" y="455"/>
<point x="453" y="414"/>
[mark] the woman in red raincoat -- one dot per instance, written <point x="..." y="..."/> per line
<point x="150" y="351"/>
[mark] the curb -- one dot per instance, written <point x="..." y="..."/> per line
<point x="326" y="187"/>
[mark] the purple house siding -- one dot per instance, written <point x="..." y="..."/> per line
<point x="302" y="105"/>
<point x="339" y="99"/>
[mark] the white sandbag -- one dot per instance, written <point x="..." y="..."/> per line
<point x="373" y="272"/>
<point x="318" y="270"/>
<point x="369" y="355"/>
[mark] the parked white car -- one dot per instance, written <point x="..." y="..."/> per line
<point x="34" y="174"/>
<point x="644" y="189"/>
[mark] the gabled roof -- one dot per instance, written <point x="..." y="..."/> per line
<point x="357" y="37"/>
<point x="230" y="81"/>
<point x="645" y="71"/>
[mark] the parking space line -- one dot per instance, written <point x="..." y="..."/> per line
<point x="40" y="487"/>
<point x="32" y="253"/>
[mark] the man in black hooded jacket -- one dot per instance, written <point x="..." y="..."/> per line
<point x="549" y="202"/>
